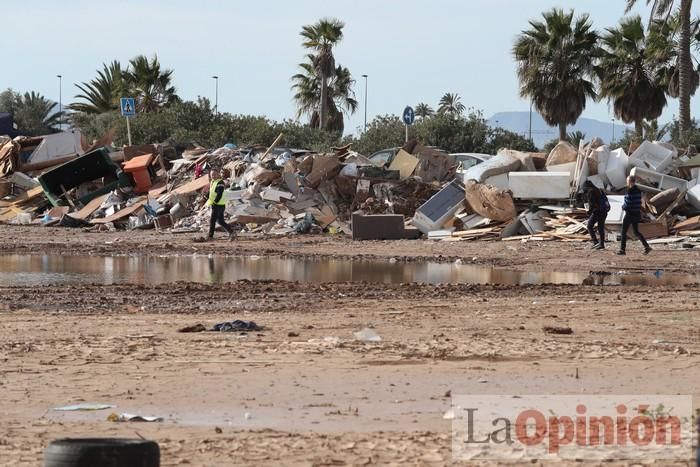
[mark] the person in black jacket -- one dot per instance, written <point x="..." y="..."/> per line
<point x="597" y="213"/>
<point x="632" y="206"/>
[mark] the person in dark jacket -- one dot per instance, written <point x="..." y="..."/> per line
<point x="597" y="213"/>
<point x="218" y="204"/>
<point x="632" y="206"/>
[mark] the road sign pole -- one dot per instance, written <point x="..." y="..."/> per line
<point x="407" y="133"/>
<point x="128" y="130"/>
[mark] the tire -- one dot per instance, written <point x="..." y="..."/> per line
<point x="102" y="452"/>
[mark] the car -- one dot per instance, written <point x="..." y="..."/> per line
<point x="384" y="157"/>
<point x="467" y="160"/>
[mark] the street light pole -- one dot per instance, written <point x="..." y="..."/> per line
<point x="365" y="77"/>
<point x="530" y="130"/>
<point x="60" y="102"/>
<point x="613" y="131"/>
<point x="216" y="96"/>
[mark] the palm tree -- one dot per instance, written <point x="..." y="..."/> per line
<point x="630" y="76"/>
<point x="340" y="96"/>
<point x="152" y="86"/>
<point x="143" y="79"/>
<point x="662" y="9"/>
<point x="451" y="104"/>
<point x="555" y="66"/>
<point x="102" y="93"/>
<point x="655" y="132"/>
<point x="575" y="137"/>
<point x="320" y="38"/>
<point x="424" y="110"/>
<point x="33" y="113"/>
<point x="663" y="47"/>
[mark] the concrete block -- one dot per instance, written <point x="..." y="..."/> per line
<point x="652" y="156"/>
<point x="539" y="185"/>
<point x="617" y="168"/>
<point x="378" y="227"/>
<point x="654" y="182"/>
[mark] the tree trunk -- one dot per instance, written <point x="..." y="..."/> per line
<point x="562" y="132"/>
<point x="686" y="68"/>
<point x="639" y="129"/>
<point x="324" y="103"/>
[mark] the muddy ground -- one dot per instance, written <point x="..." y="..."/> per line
<point x="304" y="391"/>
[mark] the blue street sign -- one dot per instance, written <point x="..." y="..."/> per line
<point x="128" y="107"/>
<point x="409" y="115"/>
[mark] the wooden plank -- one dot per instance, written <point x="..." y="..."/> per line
<point x="463" y="233"/>
<point x="672" y="206"/>
<point x="29" y="196"/>
<point x="89" y="208"/>
<point x="692" y="223"/>
<point x="122" y="213"/>
<point x="191" y="187"/>
<point x="272" y="146"/>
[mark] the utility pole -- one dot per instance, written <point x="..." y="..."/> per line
<point x="60" y="102"/>
<point x="365" y="77"/>
<point x="216" y="96"/>
<point x="613" y="131"/>
<point x="530" y="131"/>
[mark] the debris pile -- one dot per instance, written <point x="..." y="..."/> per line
<point x="420" y="191"/>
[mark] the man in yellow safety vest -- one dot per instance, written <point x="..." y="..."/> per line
<point x="218" y="204"/>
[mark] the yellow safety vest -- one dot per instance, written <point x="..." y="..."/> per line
<point x="212" y="194"/>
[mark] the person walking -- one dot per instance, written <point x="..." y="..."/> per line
<point x="218" y="204"/>
<point x="632" y="206"/>
<point x="598" y="207"/>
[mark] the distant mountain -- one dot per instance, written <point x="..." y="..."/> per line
<point x="518" y="122"/>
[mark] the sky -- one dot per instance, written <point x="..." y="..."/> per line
<point x="412" y="50"/>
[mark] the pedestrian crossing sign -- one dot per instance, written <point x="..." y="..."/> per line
<point x="128" y="107"/>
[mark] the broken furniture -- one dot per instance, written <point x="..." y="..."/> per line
<point x="89" y="167"/>
<point x="141" y="170"/>
<point x="654" y="182"/>
<point x="652" y="156"/>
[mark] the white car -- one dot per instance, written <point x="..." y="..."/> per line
<point x="467" y="160"/>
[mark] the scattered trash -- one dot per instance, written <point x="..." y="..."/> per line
<point x="195" y="328"/>
<point x="84" y="408"/>
<point x="127" y="417"/>
<point x="237" y="325"/>
<point x="367" y="335"/>
<point x="449" y="415"/>
<point x="511" y="196"/>
<point x="557" y="330"/>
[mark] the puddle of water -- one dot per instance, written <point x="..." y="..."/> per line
<point x="32" y="270"/>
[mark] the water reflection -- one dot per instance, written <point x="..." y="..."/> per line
<point x="30" y="270"/>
